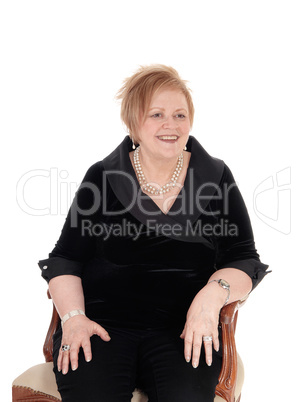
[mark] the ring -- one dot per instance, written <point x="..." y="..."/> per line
<point x="207" y="338"/>
<point x="65" y="348"/>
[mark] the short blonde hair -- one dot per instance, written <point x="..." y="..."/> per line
<point x="138" y="90"/>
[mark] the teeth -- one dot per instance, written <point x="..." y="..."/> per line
<point x="168" y="137"/>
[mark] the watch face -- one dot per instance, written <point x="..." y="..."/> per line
<point x="224" y="284"/>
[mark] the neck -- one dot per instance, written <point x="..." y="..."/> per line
<point x="157" y="169"/>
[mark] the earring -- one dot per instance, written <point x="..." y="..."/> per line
<point x="185" y="149"/>
<point x="133" y="146"/>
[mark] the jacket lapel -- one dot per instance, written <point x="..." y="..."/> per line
<point x="201" y="182"/>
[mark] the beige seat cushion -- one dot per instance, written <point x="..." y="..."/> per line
<point x="41" y="379"/>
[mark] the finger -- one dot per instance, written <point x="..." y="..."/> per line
<point x="216" y="341"/>
<point x="183" y="334"/>
<point x="74" y="356"/>
<point x="196" y="350"/>
<point x="59" y="361"/>
<point x="101" y="332"/>
<point x="86" y="345"/>
<point x="65" y="362"/>
<point x="208" y="352"/>
<point x="188" y="345"/>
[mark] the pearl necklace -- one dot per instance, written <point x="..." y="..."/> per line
<point x="152" y="189"/>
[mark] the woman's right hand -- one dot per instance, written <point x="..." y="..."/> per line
<point x="77" y="332"/>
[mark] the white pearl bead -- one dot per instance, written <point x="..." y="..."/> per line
<point x="149" y="188"/>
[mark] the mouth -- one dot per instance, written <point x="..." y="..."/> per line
<point x="168" y="138"/>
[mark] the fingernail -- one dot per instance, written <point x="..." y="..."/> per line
<point x="209" y="363"/>
<point x="74" y="368"/>
<point x="64" y="372"/>
<point x="194" y="365"/>
<point x="88" y="360"/>
<point x="188" y="359"/>
<point x="59" y="369"/>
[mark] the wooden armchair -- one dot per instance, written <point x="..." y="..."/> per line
<point x="38" y="383"/>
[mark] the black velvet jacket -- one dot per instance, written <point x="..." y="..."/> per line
<point x="139" y="266"/>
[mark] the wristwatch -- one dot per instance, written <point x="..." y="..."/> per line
<point x="225" y="285"/>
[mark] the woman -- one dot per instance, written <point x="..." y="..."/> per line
<point x="156" y="241"/>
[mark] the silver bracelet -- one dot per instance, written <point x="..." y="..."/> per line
<point x="72" y="314"/>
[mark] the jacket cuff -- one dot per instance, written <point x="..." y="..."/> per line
<point x="252" y="267"/>
<point x="56" y="266"/>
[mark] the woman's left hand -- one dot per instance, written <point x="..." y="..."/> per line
<point x="202" y="320"/>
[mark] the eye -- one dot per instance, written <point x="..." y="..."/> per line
<point x="180" y="116"/>
<point x="156" y="115"/>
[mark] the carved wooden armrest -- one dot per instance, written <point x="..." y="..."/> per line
<point x="228" y="374"/>
<point x="54" y="324"/>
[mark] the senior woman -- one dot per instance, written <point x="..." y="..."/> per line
<point x="156" y="241"/>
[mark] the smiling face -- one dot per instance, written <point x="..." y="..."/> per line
<point x="163" y="131"/>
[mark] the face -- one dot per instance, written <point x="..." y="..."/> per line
<point x="163" y="132"/>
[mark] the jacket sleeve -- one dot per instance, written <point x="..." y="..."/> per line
<point x="76" y="244"/>
<point x="236" y="246"/>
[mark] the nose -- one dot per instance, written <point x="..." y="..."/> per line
<point x="169" y="123"/>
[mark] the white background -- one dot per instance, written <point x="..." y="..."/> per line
<point x="61" y="65"/>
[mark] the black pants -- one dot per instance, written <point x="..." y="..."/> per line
<point x="152" y="360"/>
